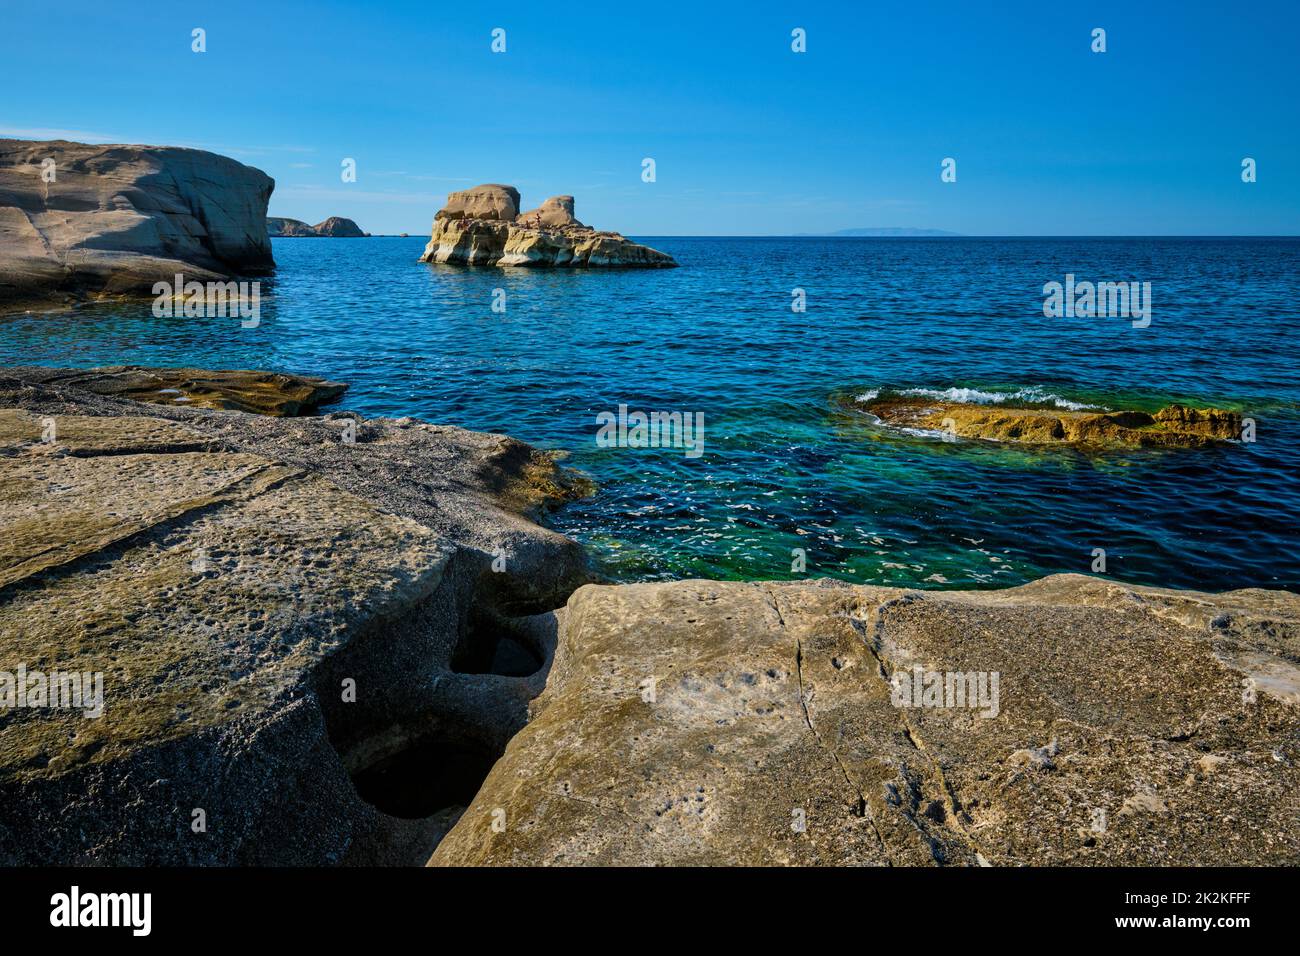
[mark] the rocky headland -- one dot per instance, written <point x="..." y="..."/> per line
<point x="338" y="640"/>
<point x="296" y="619"/>
<point x="1175" y="426"/>
<point x="334" y="227"/>
<point x="483" y="226"/>
<point x="79" y="220"/>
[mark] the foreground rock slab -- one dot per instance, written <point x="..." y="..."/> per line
<point x="306" y="646"/>
<point x="79" y="220"/>
<point x="704" y="722"/>
<point x="1175" y="426"/>
<point x="484" y="227"/>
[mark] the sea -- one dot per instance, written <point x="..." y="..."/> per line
<point x="765" y="342"/>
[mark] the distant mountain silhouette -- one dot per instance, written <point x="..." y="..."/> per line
<point x="884" y="232"/>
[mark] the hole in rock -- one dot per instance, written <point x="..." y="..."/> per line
<point x="430" y="776"/>
<point x="490" y="648"/>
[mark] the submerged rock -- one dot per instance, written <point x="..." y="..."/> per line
<point x="334" y="227"/>
<point x="262" y="393"/>
<point x="702" y="722"/>
<point x="483" y="226"/>
<point x="1173" y="427"/>
<point x="79" y="220"/>
<point x="281" y="616"/>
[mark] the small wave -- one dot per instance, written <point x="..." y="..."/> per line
<point x="1033" y="394"/>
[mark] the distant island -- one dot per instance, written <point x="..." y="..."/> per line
<point x="335" y="227"/>
<point x="882" y="232"/>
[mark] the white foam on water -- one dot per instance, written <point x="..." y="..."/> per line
<point x="977" y="396"/>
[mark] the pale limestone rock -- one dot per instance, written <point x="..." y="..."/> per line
<point x="555" y="213"/>
<point x="229" y="574"/>
<point x="489" y="201"/>
<point x="728" y="723"/>
<point x="474" y="230"/>
<point x="117" y="219"/>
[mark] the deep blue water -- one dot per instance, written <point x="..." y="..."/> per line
<point x="783" y="467"/>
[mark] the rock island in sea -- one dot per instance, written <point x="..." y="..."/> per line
<point x="484" y="227"/>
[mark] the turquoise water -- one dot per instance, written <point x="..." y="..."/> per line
<point x="783" y="466"/>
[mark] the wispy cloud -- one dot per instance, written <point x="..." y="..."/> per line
<point x="41" y="132"/>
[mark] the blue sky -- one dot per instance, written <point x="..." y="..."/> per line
<point x="749" y="138"/>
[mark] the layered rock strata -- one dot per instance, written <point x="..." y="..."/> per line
<point x="483" y="226"/>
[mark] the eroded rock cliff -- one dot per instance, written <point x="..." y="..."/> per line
<point x="80" y="220"/>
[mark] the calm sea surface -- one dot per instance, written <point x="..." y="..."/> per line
<point x="783" y="466"/>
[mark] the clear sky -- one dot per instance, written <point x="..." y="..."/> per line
<point x="749" y="138"/>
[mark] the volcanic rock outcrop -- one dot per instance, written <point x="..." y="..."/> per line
<point x="1175" y="426"/>
<point x="822" y="723"/>
<point x="79" y="220"/>
<point x="334" y="227"/>
<point x="483" y="226"/>
<point x="308" y="630"/>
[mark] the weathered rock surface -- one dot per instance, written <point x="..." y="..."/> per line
<point x="334" y="227"/>
<point x="116" y="219"/>
<point x="230" y="575"/>
<point x="556" y="212"/>
<point x="1133" y="726"/>
<point x="482" y="226"/>
<point x="1173" y="427"/>
<point x="490" y="201"/>
<point x="262" y="393"/>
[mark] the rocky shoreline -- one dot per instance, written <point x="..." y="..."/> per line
<point x="231" y="574"/>
<point x="326" y="638"/>
<point x="82" y="222"/>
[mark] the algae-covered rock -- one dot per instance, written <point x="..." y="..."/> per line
<point x="262" y="393"/>
<point x="1173" y="427"/>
